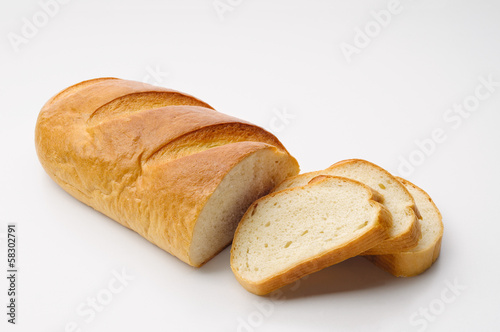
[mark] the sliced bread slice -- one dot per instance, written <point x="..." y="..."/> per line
<point x="405" y="231"/>
<point x="289" y="234"/>
<point x="418" y="259"/>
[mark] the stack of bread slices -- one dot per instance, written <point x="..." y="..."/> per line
<point x="314" y="220"/>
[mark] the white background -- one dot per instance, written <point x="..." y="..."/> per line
<point x="260" y="60"/>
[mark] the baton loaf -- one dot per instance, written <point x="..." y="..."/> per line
<point x="158" y="161"/>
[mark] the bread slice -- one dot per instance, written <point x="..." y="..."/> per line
<point x="418" y="259"/>
<point x="291" y="233"/>
<point x="405" y="231"/>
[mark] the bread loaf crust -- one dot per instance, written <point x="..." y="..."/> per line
<point x="148" y="157"/>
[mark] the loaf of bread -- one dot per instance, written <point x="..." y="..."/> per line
<point x="414" y="261"/>
<point x="159" y="162"/>
<point x="405" y="231"/>
<point x="294" y="232"/>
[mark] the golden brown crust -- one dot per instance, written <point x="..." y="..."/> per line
<point x="408" y="264"/>
<point x="356" y="246"/>
<point x="152" y="170"/>
<point x="76" y="87"/>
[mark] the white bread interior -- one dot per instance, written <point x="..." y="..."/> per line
<point x="405" y="230"/>
<point x="252" y="178"/>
